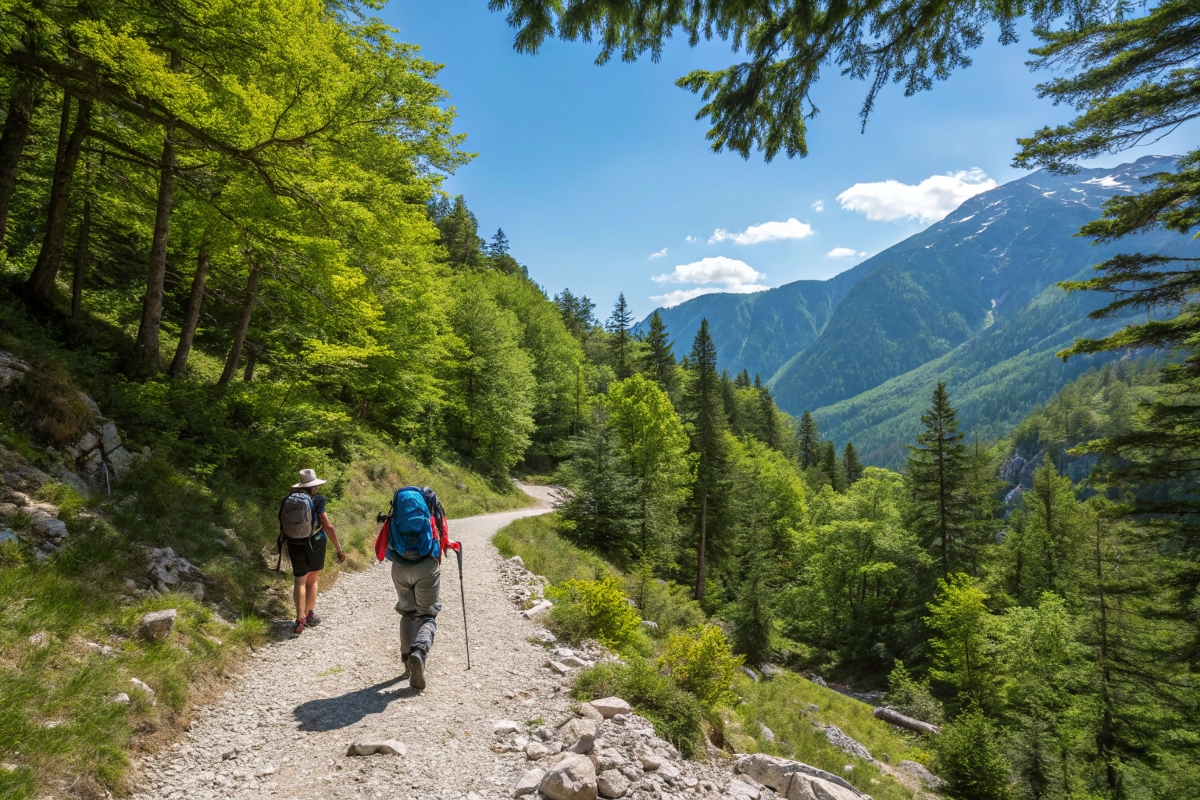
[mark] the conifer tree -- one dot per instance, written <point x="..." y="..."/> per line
<point x="619" y="323"/>
<point x="852" y="467"/>
<point x="460" y="235"/>
<point x="935" y="475"/>
<point x="769" y="415"/>
<point x="729" y="400"/>
<point x="742" y="381"/>
<point x="577" y="313"/>
<point x="660" y="359"/>
<point x="808" y="441"/>
<point x="601" y="511"/>
<point x="706" y="413"/>
<point x="832" y="467"/>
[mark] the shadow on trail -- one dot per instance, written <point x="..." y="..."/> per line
<point x="332" y="713"/>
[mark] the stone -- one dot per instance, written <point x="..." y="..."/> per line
<point x="609" y="758"/>
<point x="102" y="649"/>
<point x="650" y="760"/>
<point x="796" y="780"/>
<point x="50" y="527"/>
<point x="40" y="639"/>
<point x="110" y="438"/>
<point x="387" y="747"/>
<point x="87" y="443"/>
<point x="90" y="404"/>
<point x="538" y="611"/>
<point x="504" y="727"/>
<point x="142" y="687"/>
<point x="751" y="674"/>
<point x="611" y="706"/>
<point x="7" y="536"/>
<point x="69" y="478"/>
<point x="844" y="743"/>
<point x="572" y="778"/>
<point x="193" y="588"/>
<point x="517" y="561"/>
<point x="668" y="771"/>
<point x="770" y="670"/>
<point x="157" y="625"/>
<point x="575" y="662"/>
<point x="612" y="783"/>
<point x="649" y="624"/>
<point x="588" y="711"/>
<point x="119" y="699"/>
<point x="160" y="574"/>
<point x="121" y="461"/>
<point x="529" y="782"/>
<point x="919" y="772"/>
<point x="767" y="733"/>
<point x="558" y="667"/>
<point x="229" y="755"/>
<point x="265" y="772"/>
<point x="536" y="750"/>
<point x="742" y="790"/>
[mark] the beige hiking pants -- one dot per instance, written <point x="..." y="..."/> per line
<point x="418" y="603"/>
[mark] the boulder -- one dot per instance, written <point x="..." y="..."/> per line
<point x="121" y="461"/>
<point x="588" y="711"/>
<point x="529" y="782"/>
<point x="919" y="772"/>
<point x="503" y="727"/>
<point x="558" y="667"/>
<point x="142" y="687"/>
<point x="12" y="370"/>
<point x="536" y="750"/>
<point x="518" y="561"/>
<point x="612" y="783"/>
<point x="650" y="760"/>
<point x="121" y="699"/>
<point x="49" y="527"/>
<point x="844" y="743"/>
<point x="741" y="790"/>
<point x="90" y="404"/>
<point x="387" y="747"/>
<point x="572" y="778"/>
<point x="795" y="780"/>
<point x="649" y="624"/>
<point x="68" y="478"/>
<point x="538" y="611"/>
<point x="767" y="733"/>
<point x="87" y="443"/>
<point x="110" y="438"/>
<point x="7" y="536"/>
<point x="575" y="662"/>
<point x="611" y="706"/>
<point x="157" y="625"/>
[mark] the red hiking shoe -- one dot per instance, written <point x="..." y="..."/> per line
<point x="299" y="629"/>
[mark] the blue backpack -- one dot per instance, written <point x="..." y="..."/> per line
<point x="411" y="536"/>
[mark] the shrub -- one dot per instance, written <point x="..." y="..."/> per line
<point x="701" y="663"/>
<point x="912" y="697"/>
<point x="599" y="610"/>
<point x="10" y="554"/>
<point x="969" y="757"/>
<point x="676" y="714"/>
<point x="666" y="603"/>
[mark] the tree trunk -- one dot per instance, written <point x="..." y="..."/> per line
<point x="251" y="360"/>
<point x="12" y="141"/>
<point x="191" y="317"/>
<point x="146" y="350"/>
<point x="1105" y="737"/>
<point x="81" y="258"/>
<point x="243" y="326"/>
<point x="889" y="714"/>
<point x="700" y="565"/>
<point x="40" y="286"/>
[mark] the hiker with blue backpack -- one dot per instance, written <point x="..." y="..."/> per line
<point x="413" y="538"/>
<point x="303" y="525"/>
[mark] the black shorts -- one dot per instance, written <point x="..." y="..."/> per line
<point x="307" y="555"/>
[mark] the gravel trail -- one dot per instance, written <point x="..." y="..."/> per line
<point x="284" y="729"/>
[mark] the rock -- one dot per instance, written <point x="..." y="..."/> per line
<point x="388" y="747"/>
<point x="518" y="561"/>
<point x="796" y="780"/>
<point x="668" y="771"/>
<point x="767" y="733"/>
<point x="611" y="706"/>
<point x="819" y="681"/>
<point x="558" y="667"/>
<point x="95" y="471"/>
<point x="193" y="588"/>
<point x="40" y="639"/>
<point x="142" y="687"/>
<point x="608" y="758"/>
<point x="49" y="527"/>
<point x="919" y="772"/>
<point x="157" y="625"/>
<point x="529" y="782"/>
<point x="742" y="790"/>
<point x="572" y="778"/>
<point x="612" y="783"/>
<point x="229" y="754"/>
<point x="588" y="711"/>
<point x="119" y="699"/>
<point x="7" y="536"/>
<point x="536" y="750"/>
<point x="265" y="772"/>
<point x="102" y="649"/>
<point x="12" y="369"/>
<point x="87" y="443"/>
<point x="121" y="461"/>
<point x="769" y="670"/>
<point x="504" y="727"/>
<point x="650" y="760"/>
<point x="538" y="611"/>
<point x="844" y="743"/>
<point x="575" y="662"/>
<point x="110" y="438"/>
<point x="813" y="707"/>
<point x="90" y="404"/>
<point x="649" y="624"/>
<point x="751" y="674"/>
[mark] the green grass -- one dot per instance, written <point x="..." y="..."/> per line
<point x="782" y="704"/>
<point x="545" y="553"/>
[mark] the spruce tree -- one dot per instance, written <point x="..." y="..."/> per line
<point x="601" y="510"/>
<point x="832" y="467"/>
<point x="706" y="413"/>
<point x="770" y="417"/>
<point x="936" y="476"/>
<point x="808" y="441"/>
<point x="660" y="359"/>
<point x="577" y="313"/>
<point x="742" y="381"/>
<point x="619" y="323"/>
<point x="851" y="466"/>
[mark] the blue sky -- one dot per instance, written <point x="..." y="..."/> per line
<point x="592" y="171"/>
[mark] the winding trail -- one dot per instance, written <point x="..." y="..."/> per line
<point x="300" y="703"/>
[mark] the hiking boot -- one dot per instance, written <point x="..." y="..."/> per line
<point x="416" y="670"/>
<point x="312" y="619"/>
<point x="299" y="629"/>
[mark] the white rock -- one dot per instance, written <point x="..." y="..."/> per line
<point x="558" y="667"/>
<point x="669" y="771"/>
<point x="767" y="733"/>
<point x="40" y="639"/>
<point x="612" y="783"/>
<point x="796" y="778"/>
<point x="504" y="727"/>
<point x="518" y="561"/>
<point x="588" y="711"/>
<point x="611" y="706"/>
<point x="650" y="760"/>
<point x="572" y="778"/>
<point x="538" y="611"/>
<point x="142" y="687"/>
<point x="110" y="439"/>
<point x="742" y="790"/>
<point x="388" y="747"/>
<point x="120" y="699"/>
<point x="576" y="662"/>
<point x="102" y="649"/>
<point x="536" y="750"/>
<point x="265" y="771"/>
<point x="156" y="625"/>
<point x="529" y="782"/>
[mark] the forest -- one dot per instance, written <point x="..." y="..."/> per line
<point x="227" y="222"/>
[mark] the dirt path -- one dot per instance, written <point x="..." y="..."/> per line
<point x="301" y="703"/>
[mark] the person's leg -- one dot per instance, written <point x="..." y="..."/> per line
<point x="427" y="593"/>
<point x="310" y="591"/>
<point x="406" y="605"/>
<point x="298" y="592"/>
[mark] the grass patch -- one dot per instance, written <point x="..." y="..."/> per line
<point x="537" y="542"/>
<point x="782" y="704"/>
<point x="675" y="713"/>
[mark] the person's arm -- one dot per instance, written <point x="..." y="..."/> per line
<point x="328" y="527"/>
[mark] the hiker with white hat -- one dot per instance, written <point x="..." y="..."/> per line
<point x="303" y="524"/>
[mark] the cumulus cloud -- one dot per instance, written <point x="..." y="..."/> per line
<point x="766" y="232"/>
<point x="928" y="201"/>
<point x="659" y="254"/>
<point x="819" y="205"/>
<point x="690" y="239"/>
<point x="713" y="274"/>
<point x="842" y="252"/>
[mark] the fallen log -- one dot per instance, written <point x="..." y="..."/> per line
<point x="889" y="714"/>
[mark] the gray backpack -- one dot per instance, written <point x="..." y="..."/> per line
<point x="296" y="516"/>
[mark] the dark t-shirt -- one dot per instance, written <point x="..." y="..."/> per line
<point x="318" y="501"/>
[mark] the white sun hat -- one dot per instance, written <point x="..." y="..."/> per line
<point x="308" y="479"/>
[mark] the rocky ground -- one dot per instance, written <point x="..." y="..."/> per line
<point x="326" y="714"/>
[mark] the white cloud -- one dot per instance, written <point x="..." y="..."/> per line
<point x="766" y="232"/>
<point x="842" y="252"/>
<point x="690" y="239"/>
<point x="713" y="274"/>
<point x="928" y="201"/>
<point x="819" y="205"/>
<point x="659" y="254"/>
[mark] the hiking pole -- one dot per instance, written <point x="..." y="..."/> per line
<point x="463" y="594"/>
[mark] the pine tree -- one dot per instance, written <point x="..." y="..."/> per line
<point x="769" y="415"/>
<point x="808" y="441"/>
<point x="618" y="325"/>
<point x="832" y="467"/>
<point x="850" y="464"/>
<point x="935" y="475"/>
<point x="742" y="381"/>
<point x="660" y="360"/>
<point x="577" y="313"/>
<point x="729" y="400"/>
<point x="460" y="235"/>
<point x="707" y="415"/>
<point x="601" y="511"/>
